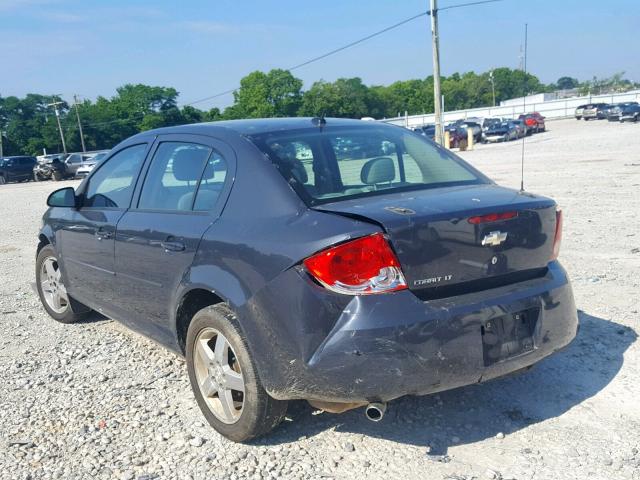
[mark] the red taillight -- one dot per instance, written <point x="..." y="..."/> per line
<point x="492" y="217"/>
<point x="557" y="239"/>
<point x="363" y="266"/>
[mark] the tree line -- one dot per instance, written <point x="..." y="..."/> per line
<point x="29" y="124"/>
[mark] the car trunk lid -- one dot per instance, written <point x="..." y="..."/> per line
<point x="442" y="253"/>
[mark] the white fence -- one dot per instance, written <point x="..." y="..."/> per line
<point x="552" y="109"/>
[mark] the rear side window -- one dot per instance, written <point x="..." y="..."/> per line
<point x="111" y="186"/>
<point x="173" y="177"/>
<point x="182" y="177"/>
<point x="343" y="162"/>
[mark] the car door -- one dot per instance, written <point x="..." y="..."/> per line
<point x="86" y="235"/>
<point x="72" y="163"/>
<point x="22" y="167"/>
<point x="185" y="186"/>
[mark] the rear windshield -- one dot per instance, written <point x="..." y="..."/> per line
<point x="337" y="163"/>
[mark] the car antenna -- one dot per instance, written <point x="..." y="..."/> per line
<point x="524" y="107"/>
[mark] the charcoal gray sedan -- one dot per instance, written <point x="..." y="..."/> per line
<point x="342" y="262"/>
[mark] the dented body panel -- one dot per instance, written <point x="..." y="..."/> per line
<point x="377" y="348"/>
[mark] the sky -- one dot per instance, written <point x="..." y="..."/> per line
<point x="203" y="47"/>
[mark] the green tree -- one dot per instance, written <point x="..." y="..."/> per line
<point x="274" y="94"/>
<point x="346" y="97"/>
<point x="567" y="83"/>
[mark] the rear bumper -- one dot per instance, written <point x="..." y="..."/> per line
<point x="384" y="347"/>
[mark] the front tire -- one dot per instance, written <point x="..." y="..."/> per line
<point x="224" y="377"/>
<point x="52" y="291"/>
<point x="57" y="176"/>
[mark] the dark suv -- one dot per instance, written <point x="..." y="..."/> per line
<point x="285" y="267"/>
<point x="16" y="169"/>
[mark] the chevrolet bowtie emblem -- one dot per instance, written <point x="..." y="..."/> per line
<point x="494" y="239"/>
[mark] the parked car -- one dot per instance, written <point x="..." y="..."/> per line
<point x="475" y="127"/>
<point x="534" y="121"/>
<point x="428" y="131"/>
<point x="595" y="111"/>
<point x="489" y="122"/>
<point x="334" y="281"/>
<point x="74" y="161"/>
<point x="630" y="113"/>
<point x="500" y="132"/>
<point x="579" y="110"/>
<point x="16" y="169"/>
<point x="52" y="168"/>
<point x="88" y="165"/>
<point x="613" y="114"/>
<point x="521" y="127"/>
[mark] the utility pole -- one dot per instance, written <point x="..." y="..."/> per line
<point x="75" y="103"/>
<point x="493" y="87"/>
<point x="55" y="107"/>
<point x="433" y="13"/>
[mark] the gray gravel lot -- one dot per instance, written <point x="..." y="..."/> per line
<point x="93" y="400"/>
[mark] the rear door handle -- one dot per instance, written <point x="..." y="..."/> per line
<point x="173" y="246"/>
<point x="102" y="234"/>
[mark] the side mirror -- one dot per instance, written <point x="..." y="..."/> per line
<point x="64" y="197"/>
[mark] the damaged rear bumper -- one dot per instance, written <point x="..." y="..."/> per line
<point x="385" y="346"/>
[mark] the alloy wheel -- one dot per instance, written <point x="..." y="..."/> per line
<point x="219" y="375"/>
<point x="53" y="289"/>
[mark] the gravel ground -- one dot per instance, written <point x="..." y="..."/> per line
<point x="93" y="400"/>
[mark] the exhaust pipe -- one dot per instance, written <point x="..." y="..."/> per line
<point x="375" y="411"/>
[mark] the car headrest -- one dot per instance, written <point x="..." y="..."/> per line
<point x="378" y="170"/>
<point x="188" y="164"/>
<point x="298" y="171"/>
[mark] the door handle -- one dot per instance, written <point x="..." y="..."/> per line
<point x="173" y="246"/>
<point x="102" y="234"/>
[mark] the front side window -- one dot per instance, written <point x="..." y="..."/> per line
<point x="174" y="175"/>
<point x="111" y="186"/>
<point x="361" y="161"/>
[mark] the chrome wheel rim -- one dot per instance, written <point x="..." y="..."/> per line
<point x="53" y="289"/>
<point x="219" y="375"/>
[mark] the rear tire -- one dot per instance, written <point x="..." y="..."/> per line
<point x="57" y="176"/>
<point x="253" y="412"/>
<point x="53" y="294"/>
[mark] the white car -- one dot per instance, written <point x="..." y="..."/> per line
<point x="87" y="165"/>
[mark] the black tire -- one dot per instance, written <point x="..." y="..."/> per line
<point x="260" y="412"/>
<point x="57" y="176"/>
<point x="36" y="178"/>
<point x="74" y="310"/>
<point x="2" y="180"/>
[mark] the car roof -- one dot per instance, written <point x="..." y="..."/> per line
<point x="256" y="126"/>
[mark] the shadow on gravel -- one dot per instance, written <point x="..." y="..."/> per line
<point x="481" y="411"/>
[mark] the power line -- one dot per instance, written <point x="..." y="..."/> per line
<point x="354" y="43"/>
<point x="470" y="4"/>
<point x="325" y="55"/>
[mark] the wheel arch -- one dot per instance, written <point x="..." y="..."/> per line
<point x="43" y="241"/>
<point x="190" y="303"/>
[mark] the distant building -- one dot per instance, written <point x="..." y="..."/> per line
<point x="542" y="97"/>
